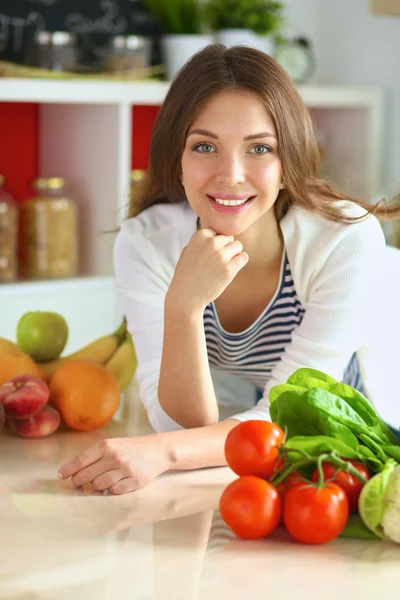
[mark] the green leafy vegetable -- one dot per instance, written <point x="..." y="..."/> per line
<point x="319" y="444"/>
<point x="313" y="404"/>
<point x="356" y="528"/>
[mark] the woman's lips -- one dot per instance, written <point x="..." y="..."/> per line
<point x="231" y="209"/>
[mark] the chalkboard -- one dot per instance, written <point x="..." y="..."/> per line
<point x="93" y="21"/>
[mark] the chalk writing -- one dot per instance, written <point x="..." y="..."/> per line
<point x="110" y="22"/>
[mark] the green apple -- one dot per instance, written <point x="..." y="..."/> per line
<point x="42" y="335"/>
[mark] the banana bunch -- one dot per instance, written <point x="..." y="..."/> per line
<point x="114" y="351"/>
<point x="123" y="362"/>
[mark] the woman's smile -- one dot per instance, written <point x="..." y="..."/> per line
<point x="230" y="205"/>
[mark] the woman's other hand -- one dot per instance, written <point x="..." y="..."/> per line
<point x="119" y="465"/>
<point x="206" y="267"/>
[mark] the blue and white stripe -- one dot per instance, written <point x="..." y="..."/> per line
<point x="253" y="353"/>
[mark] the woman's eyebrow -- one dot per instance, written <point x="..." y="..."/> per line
<point x="254" y="136"/>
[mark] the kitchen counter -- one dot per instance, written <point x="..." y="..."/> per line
<point x="164" y="542"/>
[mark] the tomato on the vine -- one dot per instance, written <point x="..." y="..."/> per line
<point x="251" y="448"/>
<point x="315" y="515"/>
<point x="292" y="479"/>
<point x="349" y="483"/>
<point x="251" y="507"/>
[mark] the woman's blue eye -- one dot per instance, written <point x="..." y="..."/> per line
<point x="263" y="149"/>
<point x="208" y="147"/>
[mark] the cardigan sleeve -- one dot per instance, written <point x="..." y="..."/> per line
<point x="338" y="311"/>
<point x="141" y="283"/>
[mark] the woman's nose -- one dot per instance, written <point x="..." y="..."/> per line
<point x="231" y="171"/>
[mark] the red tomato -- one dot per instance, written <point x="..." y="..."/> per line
<point x="315" y="516"/>
<point x="294" y="478"/>
<point x="251" y="448"/>
<point x="251" y="507"/>
<point x="282" y="488"/>
<point x="349" y="483"/>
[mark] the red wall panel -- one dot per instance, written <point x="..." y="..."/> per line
<point x="19" y="146"/>
<point x="143" y="119"/>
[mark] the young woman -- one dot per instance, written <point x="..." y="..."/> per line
<point x="238" y="259"/>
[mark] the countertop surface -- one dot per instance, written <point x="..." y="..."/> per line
<point x="164" y="542"/>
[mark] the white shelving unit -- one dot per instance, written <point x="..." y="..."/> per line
<point x="85" y="135"/>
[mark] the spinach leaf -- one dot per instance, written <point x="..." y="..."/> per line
<point x="313" y="412"/>
<point x="319" y="444"/>
<point x="356" y="528"/>
<point x="369" y="459"/>
<point x="393" y="451"/>
<point x="388" y="433"/>
<point x="277" y="390"/>
<point x="309" y="378"/>
<point x="376" y="448"/>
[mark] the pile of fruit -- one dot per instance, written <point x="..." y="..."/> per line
<point x="326" y="466"/>
<point x="40" y="388"/>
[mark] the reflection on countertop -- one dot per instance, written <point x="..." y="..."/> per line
<point x="164" y="542"/>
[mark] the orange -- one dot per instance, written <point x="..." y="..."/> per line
<point x="85" y="393"/>
<point x="16" y="363"/>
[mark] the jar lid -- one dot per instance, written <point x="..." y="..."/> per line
<point x="137" y="174"/>
<point x="54" y="38"/>
<point x="129" y="42"/>
<point x="40" y="183"/>
<point x="55" y="183"/>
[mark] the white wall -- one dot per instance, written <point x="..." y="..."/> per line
<point x="355" y="47"/>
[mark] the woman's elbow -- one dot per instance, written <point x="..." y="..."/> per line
<point x="162" y="422"/>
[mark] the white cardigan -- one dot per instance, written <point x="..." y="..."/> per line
<point x="340" y="276"/>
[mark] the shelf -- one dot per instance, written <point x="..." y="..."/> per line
<point x="153" y="93"/>
<point x="82" y="92"/>
<point x="61" y="285"/>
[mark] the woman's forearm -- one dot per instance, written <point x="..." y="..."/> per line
<point x="185" y="389"/>
<point x="197" y="448"/>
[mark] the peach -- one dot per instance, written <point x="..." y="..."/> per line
<point x="44" y="423"/>
<point x="24" y="396"/>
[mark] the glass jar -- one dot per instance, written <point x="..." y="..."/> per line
<point x="8" y="235"/>
<point x="136" y="178"/>
<point x="50" y="231"/>
<point x="126" y="53"/>
<point x="53" y="50"/>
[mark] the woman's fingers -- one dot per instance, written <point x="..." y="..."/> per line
<point x="124" y="486"/>
<point x="77" y="463"/>
<point x="91" y="473"/>
<point x="218" y="240"/>
<point x="231" y="250"/>
<point x="108" y="480"/>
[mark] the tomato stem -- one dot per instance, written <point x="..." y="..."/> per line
<point x="321" y="479"/>
<point x="307" y="459"/>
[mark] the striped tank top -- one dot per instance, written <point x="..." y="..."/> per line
<point x="253" y="353"/>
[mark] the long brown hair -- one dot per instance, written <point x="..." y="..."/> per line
<point x="216" y="69"/>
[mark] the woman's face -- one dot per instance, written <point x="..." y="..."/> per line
<point x="231" y="156"/>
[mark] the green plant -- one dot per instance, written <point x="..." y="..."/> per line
<point x="261" y="16"/>
<point x="176" y="16"/>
